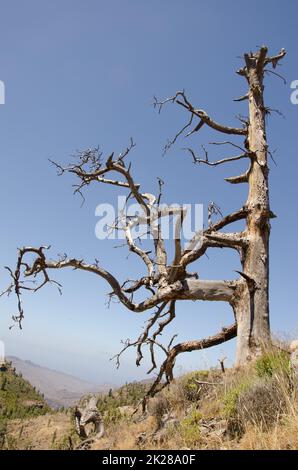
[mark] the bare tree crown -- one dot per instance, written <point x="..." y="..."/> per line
<point x="166" y="281"/>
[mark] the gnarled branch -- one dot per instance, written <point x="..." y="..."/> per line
<point x="165" y="375"/>
<point x="181" y="99"/>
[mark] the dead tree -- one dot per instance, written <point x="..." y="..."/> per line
<point x="167" y="282"/>
<point x="222" y="364"/>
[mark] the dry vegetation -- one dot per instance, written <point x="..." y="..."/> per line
<point x="50" y="431"/>
<point x="255" y="407"/>
<point x="251" y="408"/>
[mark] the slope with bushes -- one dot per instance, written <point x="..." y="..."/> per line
<point x="255" y="407"/>
<point x="18" y="399"/>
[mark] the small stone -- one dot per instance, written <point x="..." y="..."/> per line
<point x="294" y="345"/>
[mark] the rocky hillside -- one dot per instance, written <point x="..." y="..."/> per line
<point x="255" y="407"/>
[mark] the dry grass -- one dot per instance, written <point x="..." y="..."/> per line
<point x="255" y="407"/>
<point x="249" y="408"/>
<point x="41" y="432"/>
<point x="283" y="435"/>
<point x="124" y="436"/>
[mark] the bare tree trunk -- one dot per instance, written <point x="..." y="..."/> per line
<point x="168" y="282"/>
<point x="252" y="305"/>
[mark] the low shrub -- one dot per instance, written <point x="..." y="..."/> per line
<point x="190" y="428"/>
<point x="231" y="398"/>
<point x="272" y="363"/>
<point x="158" y="407"/>
<point x="193" y="390"/>
<point x="261" y="404"/>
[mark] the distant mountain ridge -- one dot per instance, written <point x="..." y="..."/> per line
<point x="59" y="388"/>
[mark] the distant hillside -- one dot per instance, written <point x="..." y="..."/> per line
<point x="59" y="389"/>
<point x="18" y="399"/>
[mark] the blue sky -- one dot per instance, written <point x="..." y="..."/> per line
<point x="82" y="73"/>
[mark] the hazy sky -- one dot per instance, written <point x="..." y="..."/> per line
<point x="82" y="73"/>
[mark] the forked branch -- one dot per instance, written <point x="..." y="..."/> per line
<point x="181" y="99"/>
<point x="206" y="161"/>
<point x="165" y="375"/>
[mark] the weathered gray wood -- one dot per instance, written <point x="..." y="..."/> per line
<point x="252" y="304"/>
<point x="166" y="281"/>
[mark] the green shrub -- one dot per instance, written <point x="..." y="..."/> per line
<point x="190" y="428"/>
<point x="112" y="415"/>
<point x="231" y="399"/>
<point x="273" y="363"/>
<point x="191" y="388"/>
